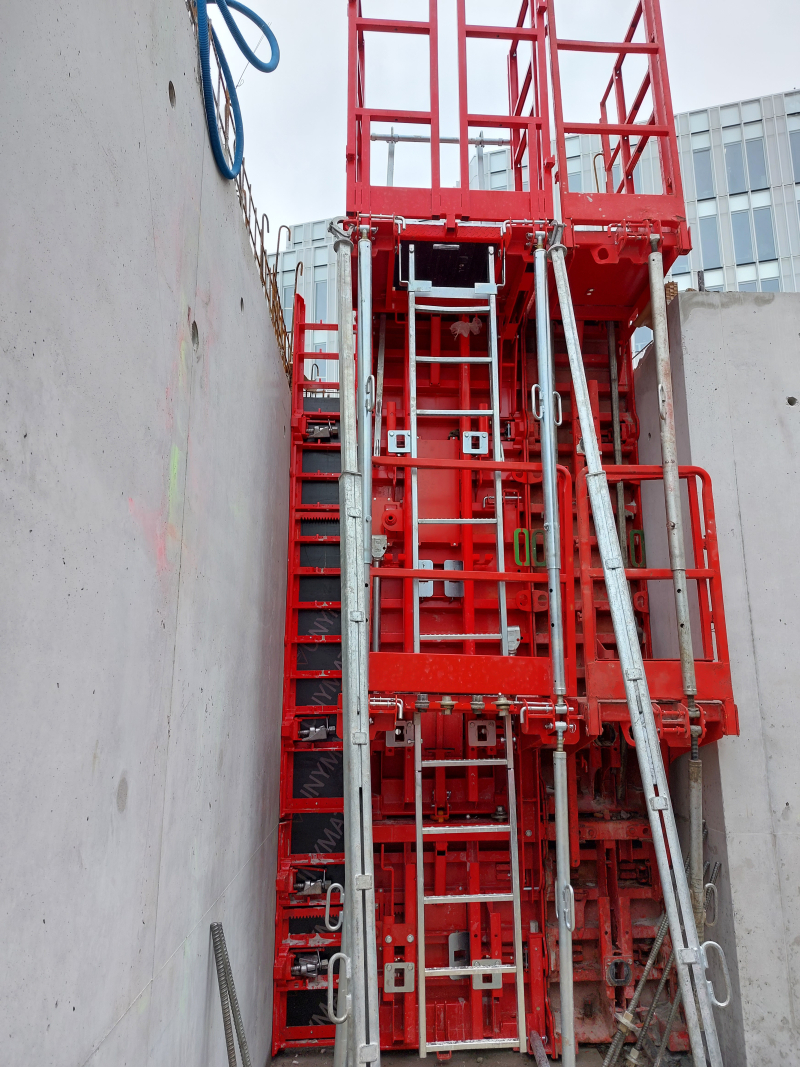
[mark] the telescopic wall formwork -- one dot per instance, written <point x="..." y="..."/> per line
<point x="526" y="880"/>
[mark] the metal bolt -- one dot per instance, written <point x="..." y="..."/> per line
<point x="410" y="938"/>
<point x="529" y="833"/>
<point x="388" y="939"/>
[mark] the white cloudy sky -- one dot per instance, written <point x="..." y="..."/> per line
<point x="718" y="51"/>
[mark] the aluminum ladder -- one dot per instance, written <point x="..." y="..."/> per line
<point x="476" y="832"/>
<point x="484" y="302"/>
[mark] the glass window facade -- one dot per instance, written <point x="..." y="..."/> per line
<point x="574" y="175"/>
<point x="709" y="242"/>
<point x="756" y="158"/>
<point x="742" y="238"/>
<point x="320" y="294"/>
<point x="751" y="110"/>
<point x="698" y="120"/>
<point x="765" y="233"/>
<point x="703" y="170"/>
<point x="734" y="168"/>
<point x="793" y="122"/>
<point x="703" y="173"/>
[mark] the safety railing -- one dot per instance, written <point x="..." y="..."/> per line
<point x="526" y="124"/>
<point x="314" y="385"/>
<point x="630" y="134"/>
<point x="704" y="550"/>
<point x="257" y="228"/>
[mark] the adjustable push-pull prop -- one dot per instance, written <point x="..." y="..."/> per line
<point x="357" y="1039"/>
<point x="545" y="402"/>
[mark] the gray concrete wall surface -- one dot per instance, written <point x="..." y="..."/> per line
<point x="143" y="523"/>
<point x="736" y="371"/>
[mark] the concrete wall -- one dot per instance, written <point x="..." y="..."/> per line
<point x="143" y="523"/>
<point x="736" y="360"/>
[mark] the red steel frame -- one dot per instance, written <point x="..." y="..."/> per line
<point x="525" y="129"/>
<point x="617" y="892"/>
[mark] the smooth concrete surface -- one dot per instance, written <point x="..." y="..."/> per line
<point x="736" y="361"/>
<point x="143" y="522"/>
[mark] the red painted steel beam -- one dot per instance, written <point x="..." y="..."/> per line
<point x="612" y="47"/>
<point x="517" y="122"/>
<point x="504" y="33"/>
<point x="441" y="672"/>
<point x="620" y="129"/>
<point x="385" y="115"/>
<point x="366" y="25"/>
<point x="463" y="465"/>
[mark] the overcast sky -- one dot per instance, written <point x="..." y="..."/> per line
<point x="294" y="119"/>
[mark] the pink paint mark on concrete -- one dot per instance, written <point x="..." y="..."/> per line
<point x="156" y="530"/>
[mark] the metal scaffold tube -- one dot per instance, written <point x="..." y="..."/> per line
<point x="677" y="561"/>
<point x="545" y="413"/>
<point x="366" y="388"/>
<point x="360" y="1011"/>
<point x="617" y="434"/>
<point x="689" y="954"/>
<point x="497" y="455"/>
<point x="669" y="462"/>
<point x="565" y="900"/>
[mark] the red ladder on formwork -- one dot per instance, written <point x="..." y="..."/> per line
<point x="310" y="837"/>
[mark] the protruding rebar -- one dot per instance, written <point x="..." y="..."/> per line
<point x="228" y="998"/>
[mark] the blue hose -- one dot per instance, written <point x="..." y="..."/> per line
<point x="205" y="67"/>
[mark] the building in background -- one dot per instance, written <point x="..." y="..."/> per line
<point x="310" y="244"/>
<point x="741" y="179"/>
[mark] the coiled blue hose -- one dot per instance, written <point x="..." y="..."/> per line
<point x="205" y="67"/>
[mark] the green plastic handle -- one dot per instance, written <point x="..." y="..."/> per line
<point x="521" y="536"/>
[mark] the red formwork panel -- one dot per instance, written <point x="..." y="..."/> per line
<point x="461" y="681"/>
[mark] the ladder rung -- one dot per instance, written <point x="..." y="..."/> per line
<point x="423" y="288"/>
<point x="454" y="359"/>
<point x="470" y="898"/>
<point x="452" y="972"/>
<point x="466" y="413"/>
<point x="437" y="309"/>
<point x="464" y="763"/>
<point x="459" y="522"/>
<point x="458" y="637"/>
<point x="488" y="1042"/>
<point x="473" y="828"/>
